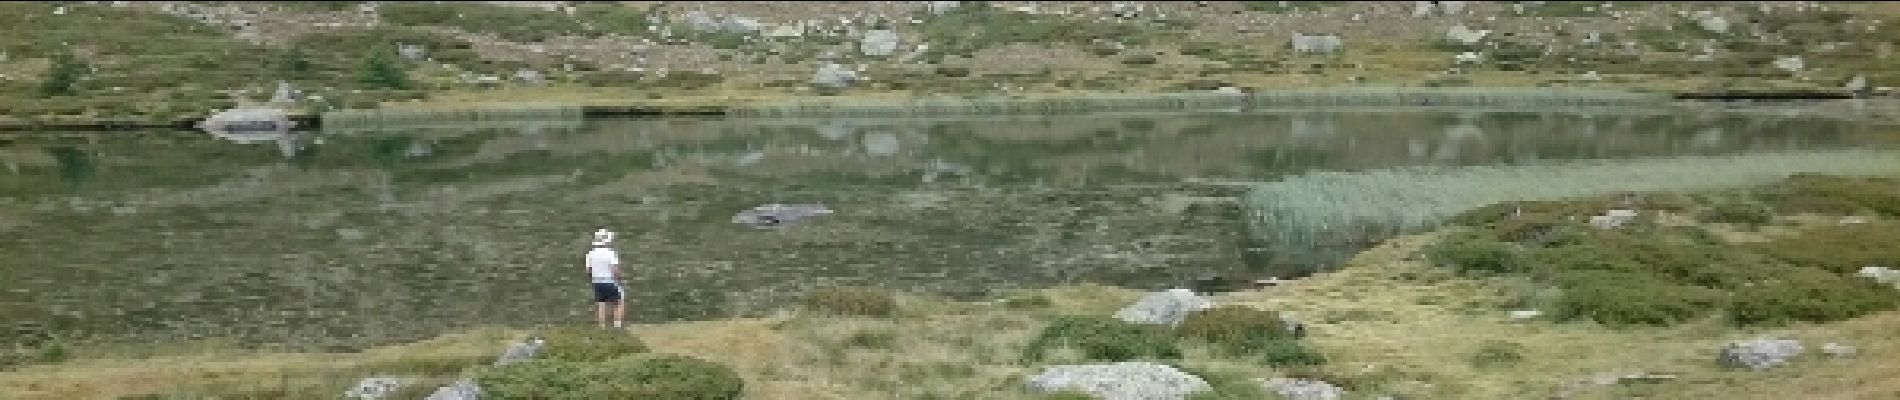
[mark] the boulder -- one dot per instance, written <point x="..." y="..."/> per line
<point x="462" y="389"/>
<point x="1164" y="308"/>
<point x="1880" y="274"/>
<point x="524" y="351"/>
<point x="1133" y="380"/>
<point x="1525" y="315"/>
<point x="1760" y="354"/>
<point x="832" y="75"/>
<point x="879" y="43"/>
<point x="1303" y="389"/>
<point x="376" y="388"/>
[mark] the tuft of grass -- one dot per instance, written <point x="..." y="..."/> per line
<point x="852" y="301"/>
<point x="588" y="344"/>
<point x="1497" y="354"/>
<point x="659" y="377"/>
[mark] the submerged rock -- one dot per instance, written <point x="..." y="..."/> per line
<point x="1164" y="308"/>
<point x="1119" y="381"/>
<point x="1760" y="354"/>
<point x="1303" y="389"/>
<point x="774" y="215"/>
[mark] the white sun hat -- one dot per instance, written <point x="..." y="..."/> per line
<point x="603" y="236"/>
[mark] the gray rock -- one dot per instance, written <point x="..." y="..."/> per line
<point x="1760" y="354"/>
<point x="462" y="389"/>
<point x="1119" y="381"/>
<point x="524" y="351"/>
<point x="1164" y="308"/>
<point x="1880" y="274"/>
<point x="412" y="52"/>
<point x="1837" y="350"/>
<point x="774" y="215"/>
<point x="879" y="43"/>
<point x="376" y="388"/>
<point x="1303" y="389"/>
<point x="1316" y="43"/>
<point x="940" y="7"/>
<point x="834" y="76"/>
<point x="351" y="234"/>
<point x="1790" y="64"/>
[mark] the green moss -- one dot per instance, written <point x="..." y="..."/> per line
<point x="657" y="377"/>
<point x="852" y="301"/>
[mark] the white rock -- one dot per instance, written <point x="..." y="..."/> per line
<point x="1760" y="354"/>
<point x="1790" y="64"/>
<point x="1164" y="308"/>
<point x="376" y="388"/>
<point x="1119" y="381"/>
<point x="1303" y="389"/>
<point x="462" y="389"/>
<point x="1525" y="315"/>
<point x="879" y="43"/>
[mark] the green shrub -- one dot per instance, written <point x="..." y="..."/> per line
<point x="1808" y="193"/>
<point x="1841" y="249"/>
<point x="1139" y="60"/>
<point x="1234" y="328"/>
<point x="1738" y="213"/>
<point x="1032" y="301"/>
<point x="1102" y="338"/>
<point x="1286" y="353"/>
<point x="872" y="339"/>
<point x="1810" y="295"/>
<point x="1069" y="395"/>
<point x="585" y="344"/>
<point x="1631" y="298"/>
<point x="1475" y="255"/>
<point x="852" y="301"/>
<point x="653" y="377"/>
<point x="1225" y="386"/>
<point x="1497" y="353"/>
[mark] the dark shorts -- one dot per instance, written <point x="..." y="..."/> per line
<point x="606" y="292"/>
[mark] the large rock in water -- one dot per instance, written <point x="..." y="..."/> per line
<point x="1164" y="308"/>
<point x="1303" y="389"/>
<point x="1119" y="381"/>
<point x="1760" y="354"/>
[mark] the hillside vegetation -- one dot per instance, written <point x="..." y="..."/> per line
<point x="163" y="60"/>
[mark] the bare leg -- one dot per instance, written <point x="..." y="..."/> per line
<point x="600" y="314"/>
<point x="620" y="312"/>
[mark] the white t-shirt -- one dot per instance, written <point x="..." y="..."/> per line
<point x="601" y="262"/>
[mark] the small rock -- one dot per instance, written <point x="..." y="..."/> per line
<point x="524" y="351"/>
<point x="124" y="210"/>
<point x="374" y="388"/>
<point x="1525" y="315"/>
<point x="1760" y="354"/>
<point x="1119" y="381"/>
<point x="462" y="389"/>
<point x="1164" y="308"/>
<point x="350" y="234"/>
<point x="1303" y="389"/>
<point x="1837" y="350"/>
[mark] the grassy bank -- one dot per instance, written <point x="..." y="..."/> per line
<point x="1399" y="319"/>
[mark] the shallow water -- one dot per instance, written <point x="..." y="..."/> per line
<point x="337" y="240"/>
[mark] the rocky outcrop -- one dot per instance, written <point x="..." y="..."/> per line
<point x="1761" y="353"/>
<point x="1119" y="381"/>
<point x="462" y="389"/>
<point x="1303" y="389"/>
<point x="1164" y="308"/>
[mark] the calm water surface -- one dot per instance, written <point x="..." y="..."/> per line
<point x="337" y="240"/>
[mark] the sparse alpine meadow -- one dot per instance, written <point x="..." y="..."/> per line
<point x="950" y="200"/>
<point x="1419" y="316"/>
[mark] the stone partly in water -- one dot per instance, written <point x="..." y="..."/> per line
<point x="376" y="388"/>
<point x="776" y="215"/>
<point x="1761" y="353"/>
<point x="1303" y="389"/>
<point x="462" y="389"/>
<point x="1119" y="381"/>
<point x="1164" y="308"/>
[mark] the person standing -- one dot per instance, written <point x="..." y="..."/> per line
<point x="603" y="267"/>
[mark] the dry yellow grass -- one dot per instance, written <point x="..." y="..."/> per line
<point x="112" y="377"/>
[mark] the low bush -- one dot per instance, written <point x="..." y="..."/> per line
<point x="654" y="377"/>
<point x="1234" y="328"/>
<point x="1101" y="338"/>
<point x="1735" y="212"/>
<point x="585" y="344"/>
<point x="1809" y="295"/>
<point x="1476" y="255"/>
<point x="1808" y="193"/>
<point x="1286" y="353"/>
<point x="1497" y="353"/>
<point x="852" y="301"/>
<point x="1841" y="249"/>
<point x="1631" y="298"/>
